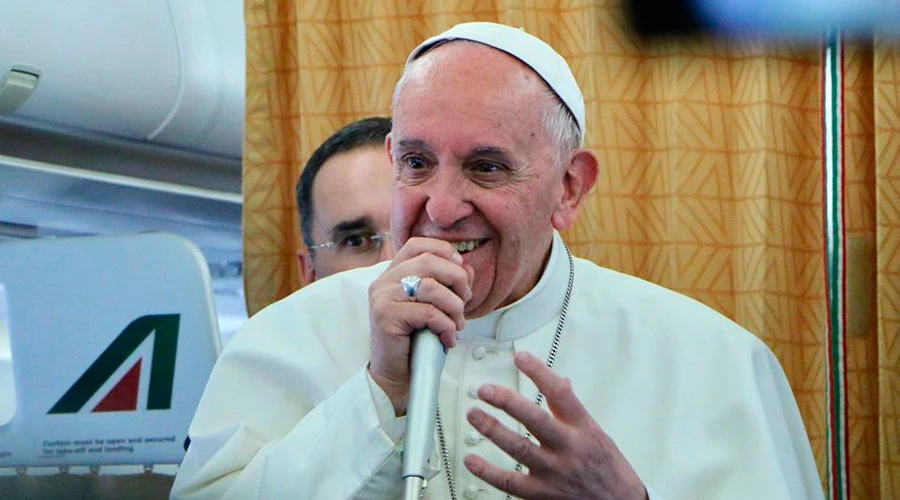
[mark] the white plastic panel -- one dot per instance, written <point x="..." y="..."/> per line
<point x="209" y="112"/>
<point x="74" y="300"/>
<point x="110" y="66"/>
<point x="7" y="388"/>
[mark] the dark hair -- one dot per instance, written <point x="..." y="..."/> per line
<point x="359" y="134"/>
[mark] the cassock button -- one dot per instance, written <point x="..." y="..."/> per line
<point x="471" y="491"/>
<point x="479" y="352"/>
<point x="473" y="391"/>
<point x="473" y="438"/>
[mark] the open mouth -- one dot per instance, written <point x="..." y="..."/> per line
<point x="466" y="246"/>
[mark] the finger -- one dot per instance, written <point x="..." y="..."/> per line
<point x="512" y="482"/>
<point x="561" y="398"/>
<point x="470" y="272"/>
<point x="426" y="265"/>
<point x="538" y="421"/>
<point x="514" y="444"/>
<point x="432" y="292"/>
<point x="427" y="316"/>
<point x="417" y="246"/>
<point x="402" y="318"/>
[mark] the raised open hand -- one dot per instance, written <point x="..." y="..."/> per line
<point x="575" y="457"/>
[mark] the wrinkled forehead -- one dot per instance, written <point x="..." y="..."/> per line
<point x="452" y="104"/>
<point x="533" y="52"/>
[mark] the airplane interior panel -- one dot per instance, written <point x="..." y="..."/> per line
<point x="119" y="118"/>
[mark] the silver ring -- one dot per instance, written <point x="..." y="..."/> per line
<point x="410" y="285"/>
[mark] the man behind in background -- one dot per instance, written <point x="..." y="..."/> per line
<point x="344" y="199"/>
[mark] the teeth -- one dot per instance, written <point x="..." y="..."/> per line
<point x="465" y="246"/>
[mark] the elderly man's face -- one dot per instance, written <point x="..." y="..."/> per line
<point x="474" y="163"/>
<point x="352" y="199"/>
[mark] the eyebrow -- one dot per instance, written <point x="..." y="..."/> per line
<point x="406" y="144"/>
<point x="349" y="226"/>
<point x="491" y="151"/>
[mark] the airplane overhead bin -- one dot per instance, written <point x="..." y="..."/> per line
<point x="168" y="72"/>
<point x="134" y="120"/>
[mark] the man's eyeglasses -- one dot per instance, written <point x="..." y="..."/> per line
<point x="355" y="243"/>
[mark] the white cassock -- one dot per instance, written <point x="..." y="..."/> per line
<point x="699" y="406"/>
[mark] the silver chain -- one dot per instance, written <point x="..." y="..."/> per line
<point x="551" y="358"/>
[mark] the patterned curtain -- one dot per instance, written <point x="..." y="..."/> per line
<point x="870" y="232"/>
<point x="884" y="373"/>
<point x="715" y="182"/>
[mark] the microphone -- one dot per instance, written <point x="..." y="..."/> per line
<point x="426" y="363"/>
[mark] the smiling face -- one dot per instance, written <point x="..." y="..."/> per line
<point x="474" y="165"/>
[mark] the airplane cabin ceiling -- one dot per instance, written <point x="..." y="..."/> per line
<point x="169" y="72"/>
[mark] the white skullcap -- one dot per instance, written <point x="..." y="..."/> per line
<point x="529" y="49"/>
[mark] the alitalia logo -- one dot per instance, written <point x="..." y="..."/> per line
<point x="124" y="394"/>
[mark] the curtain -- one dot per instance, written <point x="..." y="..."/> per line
<point x="872" y="218"/>
<point x="716" y="181"/>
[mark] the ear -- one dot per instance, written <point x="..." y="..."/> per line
<point x="581" y="174"/>
<point x="387" y="146"/>
<point x="307" y="267"/>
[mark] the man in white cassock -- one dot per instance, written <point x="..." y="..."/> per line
<point x="645" y="393"/>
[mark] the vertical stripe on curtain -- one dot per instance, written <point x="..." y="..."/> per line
<point x="832" y="106"/>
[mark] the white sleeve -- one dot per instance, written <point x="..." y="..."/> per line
<point x="338" y="450"/>
<point x="394" y="426"/>
<point x="786" y="428"/>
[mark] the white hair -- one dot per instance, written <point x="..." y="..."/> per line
<point x="560" y="124"/>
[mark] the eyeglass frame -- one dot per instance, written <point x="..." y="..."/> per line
<point x="377" y="238"/>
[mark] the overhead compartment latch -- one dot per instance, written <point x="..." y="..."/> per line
<point x="16" y="85"/>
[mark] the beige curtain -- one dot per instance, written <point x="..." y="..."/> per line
<point x="885" y="335"/>
<point x="712" y="180"/>
<point x="871" y="83"/>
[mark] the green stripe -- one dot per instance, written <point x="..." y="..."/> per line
<point x="835" y="272"/>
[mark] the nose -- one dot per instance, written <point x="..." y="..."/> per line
<point x="448" y="200"/>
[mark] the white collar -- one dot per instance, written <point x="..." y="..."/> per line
<point x="537" y="308"/>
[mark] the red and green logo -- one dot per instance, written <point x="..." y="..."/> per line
<point x="124" y="394"/>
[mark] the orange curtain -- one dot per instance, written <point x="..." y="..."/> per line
<point x="712" y="179"/>
<point x="862" y="346"/>
<point x="887" y="332"/>
<point x="886" y="71"/>
<point x="871" y="142"/>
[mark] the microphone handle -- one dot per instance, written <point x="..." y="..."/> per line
<point x="426" y="364"/>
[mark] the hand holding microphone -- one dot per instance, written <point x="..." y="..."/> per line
<point x="438" y="304"/>
<point x="416" y="308"/>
